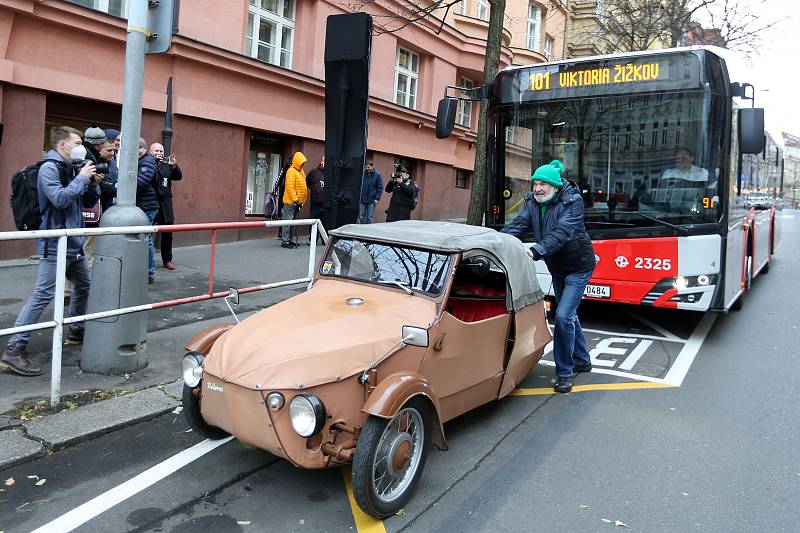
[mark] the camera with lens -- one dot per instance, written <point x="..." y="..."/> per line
<point x="101" y="167"/>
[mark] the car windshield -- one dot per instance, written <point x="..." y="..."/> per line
<point x="387" y="264"/>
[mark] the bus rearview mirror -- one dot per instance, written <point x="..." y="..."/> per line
<point x="446" y="117"/>
<point x="751" y="130"/>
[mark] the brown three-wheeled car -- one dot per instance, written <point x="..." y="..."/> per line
<point x="407" y="325"/>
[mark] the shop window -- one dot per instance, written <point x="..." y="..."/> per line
<point x="270" y="31"/>
<point x="263" y="166"/>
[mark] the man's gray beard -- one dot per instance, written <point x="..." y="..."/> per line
<point x="543" y="199"/>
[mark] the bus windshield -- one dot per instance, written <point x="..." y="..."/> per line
<point x="640" y="160"/>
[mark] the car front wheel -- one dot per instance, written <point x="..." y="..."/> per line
<point x="389" y="458"/>
<point x="191" y="410"/>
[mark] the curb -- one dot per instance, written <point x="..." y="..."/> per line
<point x="66" y="428"/>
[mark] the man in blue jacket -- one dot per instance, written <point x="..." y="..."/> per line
<point x="147" y="199"/>
<point x="371" y="187"/>
<point x="63" y="192"/>
<point x="553" y="213"/>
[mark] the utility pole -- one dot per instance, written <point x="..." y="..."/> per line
<point x="119" y="274"/>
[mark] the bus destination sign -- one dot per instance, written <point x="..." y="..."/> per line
<point x="636" y="74"/>
<point x="586" y="77"/>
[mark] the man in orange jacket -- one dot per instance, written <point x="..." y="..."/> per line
<point x="294" y="196"/>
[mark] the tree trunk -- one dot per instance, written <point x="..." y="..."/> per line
<point x="477" y="198"/>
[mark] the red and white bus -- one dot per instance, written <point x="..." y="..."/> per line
<point x="669" y="154"/>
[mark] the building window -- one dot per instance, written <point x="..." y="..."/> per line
<point x="483" y="9"/>
<point x="464" y="116"/>
<point x="270" y="31"/>
<point x="548" y="47"/>
<point x="405" y="80"/>
<point x="463" y="8"/>
<point x="462" y="178"/>
<point x="118" y="8"/>
<point x="600" y="7"/>
<point x="511" y="134"/>
<point x="534" y="27"/>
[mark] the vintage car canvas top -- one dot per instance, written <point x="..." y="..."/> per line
<point x="469" y="240"/>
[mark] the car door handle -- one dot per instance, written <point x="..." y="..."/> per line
<point x="437" y="347"/>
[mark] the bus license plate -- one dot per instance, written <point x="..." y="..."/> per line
<point x="597" y="291"/>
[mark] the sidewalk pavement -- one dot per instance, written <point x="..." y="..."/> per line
<point x="157" y="388"/>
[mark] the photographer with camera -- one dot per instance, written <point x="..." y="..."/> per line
<point x="404" y="195"/>
<point x="168" y="171"/>
<point x="100" y="152"/>
<point x="63" y="189"/>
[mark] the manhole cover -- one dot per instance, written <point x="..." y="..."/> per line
<point x="9" y="301"/>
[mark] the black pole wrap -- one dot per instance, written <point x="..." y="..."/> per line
<point x="348" y="42"/>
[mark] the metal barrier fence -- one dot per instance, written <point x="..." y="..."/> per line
<point x="61" y="265"/>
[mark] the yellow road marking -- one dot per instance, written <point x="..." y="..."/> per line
<point x="364" y="522"/>
<point x="596" y="386"/>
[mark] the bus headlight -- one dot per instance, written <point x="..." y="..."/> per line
<point x="703" y="280"/>
<point x="307" y="414"/>
<point x="680" y="282"/>
<point x="192" y="369"/>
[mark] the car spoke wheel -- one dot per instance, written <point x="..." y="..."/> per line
<point x="191" y="410"/>
<point x="389" y="458"/>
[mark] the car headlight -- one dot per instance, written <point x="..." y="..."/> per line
<point x="192" y="369"/>
<point x="307" y="414"/>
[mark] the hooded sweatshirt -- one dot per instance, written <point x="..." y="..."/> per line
<point x="296" y="190"/>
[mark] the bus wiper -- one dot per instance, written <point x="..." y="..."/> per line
<point x="402" y="284"/>
<point x="679" y="229"/>
<point x="615" y="224"/>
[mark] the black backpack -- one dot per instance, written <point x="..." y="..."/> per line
<point x="25" y="195"/>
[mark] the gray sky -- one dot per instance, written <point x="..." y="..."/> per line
<point x="776" y="68"/>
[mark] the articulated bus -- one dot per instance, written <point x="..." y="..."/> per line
<point x="669" y="154"/>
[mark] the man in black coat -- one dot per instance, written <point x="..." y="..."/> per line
<point x="315" y="181"/>
<point x="147" y="200"/>
<point x="168" y="172"/>
<point x="404" y="191"/>
<point x="554" y="215"/>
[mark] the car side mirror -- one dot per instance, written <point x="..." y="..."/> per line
<point x="751" y="130"/>
<point x="415" y="336"/>
<point x="446" y="117"/>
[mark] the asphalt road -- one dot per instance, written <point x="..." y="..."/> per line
<point x="716" y="453"/>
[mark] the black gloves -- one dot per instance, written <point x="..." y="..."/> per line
<point x="536" y="255"/>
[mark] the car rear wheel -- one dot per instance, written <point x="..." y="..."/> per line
<point x="191" y="410"/>
<point x="389" y="458"/>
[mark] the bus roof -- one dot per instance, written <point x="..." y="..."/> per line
<point x="721" y="52"/>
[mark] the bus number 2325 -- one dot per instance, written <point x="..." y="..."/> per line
<point x="650" y="263"/>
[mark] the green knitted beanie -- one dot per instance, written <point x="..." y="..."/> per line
<point x="550" y="173"/>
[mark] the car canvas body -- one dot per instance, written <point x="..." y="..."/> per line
<point x="407" y="325"/>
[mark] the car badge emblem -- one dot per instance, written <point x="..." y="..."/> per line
<point x="355" y="302"/>
<point x="621" y="261"/>
<point x="215" y="387"/>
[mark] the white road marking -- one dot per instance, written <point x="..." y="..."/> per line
<point x="680" y="367"/>
<point x="635" y="355"/>
<point x="83" y="513"/>
<point x="609" y="372"/>
<point x="634" y="335"/>
<point x="787" y="216"/>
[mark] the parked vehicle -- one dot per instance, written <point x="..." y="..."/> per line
<point x="407" y="325"/>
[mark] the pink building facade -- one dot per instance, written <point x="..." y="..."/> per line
<point x="248" y="83"/>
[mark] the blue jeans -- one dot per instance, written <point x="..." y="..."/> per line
<point x="45" y="289"/>
<point x="151" y="253"/>
<point x="365" y="212"/>
<point x="569" y="344"/>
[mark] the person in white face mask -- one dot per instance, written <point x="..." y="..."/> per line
<point x="65" y="184"/>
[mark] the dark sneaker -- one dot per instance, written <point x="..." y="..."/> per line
<point x="563" y="385"/>
<point x="151" y="279"/>
<point x="583" y="368"/>
<point x="286" y="245"/>
<point x="74" y="337"/>
<point x="15" y="359"/>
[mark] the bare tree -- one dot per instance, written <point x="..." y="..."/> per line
<point x="627" y="25"/>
